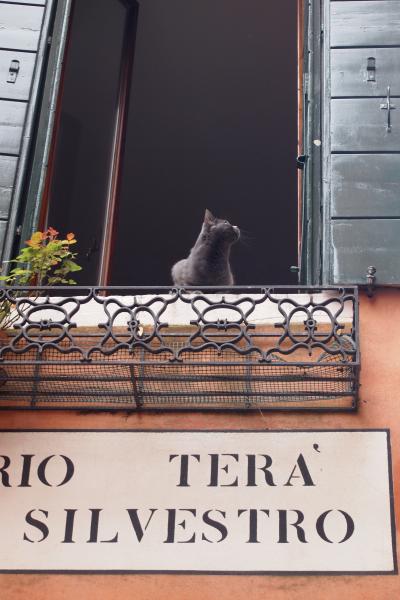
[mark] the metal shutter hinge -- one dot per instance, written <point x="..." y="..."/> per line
<point x="301" y="161"/>
<point x="371" y="280"/>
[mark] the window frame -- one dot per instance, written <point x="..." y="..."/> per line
<point x="310" y="223"/>
<point x="311" y="236"/>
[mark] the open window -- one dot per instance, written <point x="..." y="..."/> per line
<point x="167" y="107"/>
<point x="153" y="110"/>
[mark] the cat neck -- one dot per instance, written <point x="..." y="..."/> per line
<point x="212" y="248"/>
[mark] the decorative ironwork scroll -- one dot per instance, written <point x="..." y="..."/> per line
<point x="173" y="347"/>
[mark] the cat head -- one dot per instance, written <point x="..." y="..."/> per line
<point x="219" y="229"/>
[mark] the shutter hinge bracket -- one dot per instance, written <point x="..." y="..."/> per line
<point x="371" y="280"/>
<point x="301" y="161"/>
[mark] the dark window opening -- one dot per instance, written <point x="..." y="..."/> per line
<point x="211" y="122"/>
<point x="83" y="145"/>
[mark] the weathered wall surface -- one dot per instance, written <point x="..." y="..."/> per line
<point x="379" y="408"/>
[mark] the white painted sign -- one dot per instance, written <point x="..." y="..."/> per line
<point x="217" y="501"/>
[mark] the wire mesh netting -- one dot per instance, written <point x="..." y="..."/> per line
<point x="182" y="349"/>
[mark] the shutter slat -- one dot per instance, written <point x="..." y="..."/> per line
<point x="358" y="244"/>
<point x="20" y="26"/>
<point x="368" y="23"/>
<point x="8" y="167"/>
<point x="12" y="116"/>
<point x="26" y="64"/>
<point x="366" y="185"/>
<point x="360" y="124"/>
<point x="350" y="74"/>
<point x="3" y="230"/>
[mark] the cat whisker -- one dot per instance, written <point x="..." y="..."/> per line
<point x="246" y="239"/>
<point x="245" y="243"/>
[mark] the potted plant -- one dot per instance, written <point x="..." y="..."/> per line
<point x="45" y="261"/>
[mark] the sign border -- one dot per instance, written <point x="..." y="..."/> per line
<point x="216" y="572"/>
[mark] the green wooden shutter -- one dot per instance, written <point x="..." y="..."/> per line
<point x="25" y="28"/>
<point x="29" y="215"/>
<point x="361" y="149"/>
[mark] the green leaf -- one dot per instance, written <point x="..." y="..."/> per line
<point x="71" y="266"/>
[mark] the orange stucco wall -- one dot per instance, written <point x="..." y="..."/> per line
<point x="379" y="408"/>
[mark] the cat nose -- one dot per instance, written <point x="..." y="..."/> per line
<point x="237" y="230"/>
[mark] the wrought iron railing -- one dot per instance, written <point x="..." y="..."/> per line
<point x="167" y="348"/>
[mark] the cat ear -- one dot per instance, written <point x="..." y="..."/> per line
<point x="208" y="217"/>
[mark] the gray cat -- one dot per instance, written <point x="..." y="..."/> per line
<point x="208" y="261"/>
